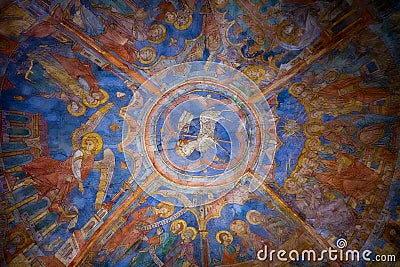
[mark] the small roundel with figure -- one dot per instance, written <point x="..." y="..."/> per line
<point x="202" y="136"/>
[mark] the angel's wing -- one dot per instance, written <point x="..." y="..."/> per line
<point x="208" y="119"/>
<point x="106" y="166"/>
<point x="90" y="125"/>
<point x="255" y="28"/>
<point x="264" y="30"/>
<point x="185" y="120"/>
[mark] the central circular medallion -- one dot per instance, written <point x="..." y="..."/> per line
<point x="201" y="134"/>
<point x="195" y="131"/>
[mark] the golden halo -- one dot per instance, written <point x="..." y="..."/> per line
<point x="170" y="21"/>
<point x="210" y="46"/>
<point x="285" y="39"/>
<point x="239" y="222"/>
<point x="291" y="88"/>
<point x="192" y="229"/>
<point x="218" y="234"/>
<point x="96" y="102"/>
<point x="250" y="220"/>
<point x="184" y="26"/>
<point x="331" y="79"/>
<point x="4" y="45"/>
<point x="177" y="222"/>
<point x="97" y="140"/>
<point x="290" y="180"/>
<point x="163" y="34"/>
<point x="330" y="195"/>
<point x="256" y="73"/>
<point x="168" y="205"/>
<point x="153" y="56"/>
<point x="90" y="105"/>
<point x="310" y="141"/>
<point x="105" y="96"/>
<point x="307" y="129"/>
<point x="20" y="234"/>
<point x="76" y="114"/>
<point x="220" y="5"/>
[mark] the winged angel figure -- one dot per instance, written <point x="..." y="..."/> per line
<point x="55" y="179"/>
<point x="205" y="139"/>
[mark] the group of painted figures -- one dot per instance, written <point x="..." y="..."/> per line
<point x="352" y="142"/>
<point x="143" y="242"/>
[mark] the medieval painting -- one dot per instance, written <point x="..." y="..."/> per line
<point x="199" y="133"/>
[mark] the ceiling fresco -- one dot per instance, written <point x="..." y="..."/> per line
<point x="199" y="133"/>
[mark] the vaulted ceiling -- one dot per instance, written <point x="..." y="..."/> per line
<point x="198" y="133"/>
